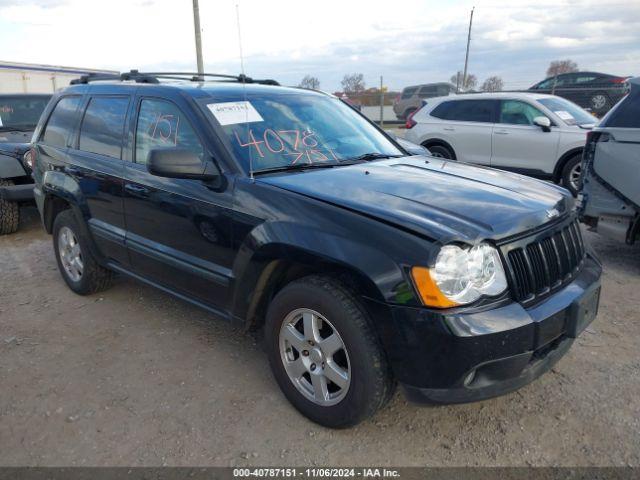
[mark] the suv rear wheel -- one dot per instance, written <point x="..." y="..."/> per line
<point x="9" y="212"/>
<point x="78" y="267"/>
<point x="324" y="353"/>
<point x="440" y="151"/>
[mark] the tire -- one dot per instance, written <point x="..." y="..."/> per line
<point x="569" y="172"/>
<point x="91" y="277"/>
<point x="370" y="384"/>
<point x="440" y="151"/>
<point x="600" y="103"/>
<point x="9" y="212"/>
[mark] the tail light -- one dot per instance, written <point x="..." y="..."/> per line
<point x="410" y="123"/>
<point x="397" y="99"/>
<point x="618" y="80"/>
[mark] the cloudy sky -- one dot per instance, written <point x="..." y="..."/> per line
<point x="408" y="42"/>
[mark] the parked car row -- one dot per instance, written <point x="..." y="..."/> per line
<point x="287" y="210"/>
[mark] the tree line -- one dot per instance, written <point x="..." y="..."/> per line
<point x="354" y="83"/>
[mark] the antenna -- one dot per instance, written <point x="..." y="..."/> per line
<point x="244" y="85"/>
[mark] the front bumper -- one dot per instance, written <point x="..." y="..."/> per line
<point x="17" y="193"/>
<point x="462" y="357"/>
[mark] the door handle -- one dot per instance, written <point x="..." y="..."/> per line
<point x="136" y="190"/>
<point x="501" y="132"/>
<point x="449" y="129"/>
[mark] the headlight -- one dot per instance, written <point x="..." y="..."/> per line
<point x="461" y="276"/>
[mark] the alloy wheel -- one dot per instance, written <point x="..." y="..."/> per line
<point x="70" y="254"/>
<point x="314" y="357"/>
<point x="574" y="176"/>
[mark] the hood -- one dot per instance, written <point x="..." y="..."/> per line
<point x="14" y="143"/>
<point x="442" y="200"/>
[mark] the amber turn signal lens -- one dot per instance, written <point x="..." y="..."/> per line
<point x="428" y="290"/>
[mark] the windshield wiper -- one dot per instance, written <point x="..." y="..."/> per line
<point x="295" y="167"/>
<point x="373" y="156"/>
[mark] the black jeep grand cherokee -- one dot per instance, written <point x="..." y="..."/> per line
<point x="286" y="209"/>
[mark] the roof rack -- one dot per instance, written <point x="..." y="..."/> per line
<point x="153" y="77"/>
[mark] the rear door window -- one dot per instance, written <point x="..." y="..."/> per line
<point x="161" y="124"/>
<point x="408" y="92"/>
<point x="103" y="126"/>
<point x="61" y="122"/>
<point x="428" y="91"/>
<point x="472" y="111"/>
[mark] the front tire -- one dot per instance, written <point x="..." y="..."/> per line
<point x="9" y="212"/>
<point x="324" y="353"/>
<point x="77" y="265"/>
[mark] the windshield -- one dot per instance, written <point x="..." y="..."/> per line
<point x="21" y="112"/>
<point x="569" y="112"/>
<point x="293" y="128"/>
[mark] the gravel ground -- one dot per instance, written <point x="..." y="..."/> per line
<point x="135" y="377"/>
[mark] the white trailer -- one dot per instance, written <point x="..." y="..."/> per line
<point x="33" y="78"/>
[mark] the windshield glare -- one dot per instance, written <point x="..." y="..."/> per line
<point x="281" y="129"/>
<point x="21" y="112"/>
<point x="569" y="112"/>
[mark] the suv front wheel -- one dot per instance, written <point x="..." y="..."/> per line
<point x="77" y="265"/>
<point x="324" y="353"/>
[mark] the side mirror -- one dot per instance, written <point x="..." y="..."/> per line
<point x="543" y="122"/>
<point x="180" y="163"/>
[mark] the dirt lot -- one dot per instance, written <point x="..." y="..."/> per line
<point x="135" y="377"/>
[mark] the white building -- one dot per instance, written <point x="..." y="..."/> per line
<point x="32" y="78"/>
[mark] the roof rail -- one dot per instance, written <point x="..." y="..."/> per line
<point x="153" y="77"/>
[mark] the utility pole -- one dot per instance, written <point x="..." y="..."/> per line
<point x="466" y="57"/>
<point x="381" y="103"/>
<point x="196" y="26"/>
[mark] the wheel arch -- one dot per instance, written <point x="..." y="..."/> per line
<point x="439" y="141"/>
<point x="562" y="161"/>
<point x="276" y="265"/>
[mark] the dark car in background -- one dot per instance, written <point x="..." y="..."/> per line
<point x="595" y="91"/>
<point x="19" y="115"/>
<point x="610" y="192"/>
<point x="285" y="210"/>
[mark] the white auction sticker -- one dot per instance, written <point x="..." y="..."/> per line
<point x="230" y="113"/>
<point x="1" y="121"/>
<point x="563" y="114"/>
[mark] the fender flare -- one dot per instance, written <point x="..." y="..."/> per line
<point x="267" y="255"/>
<point x="11" y="167"/>
<point x="58" y="186"/>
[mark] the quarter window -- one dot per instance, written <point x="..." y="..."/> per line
<point x="515" y="112"/>
<point x="162" y="124"/>
<point x="61" y="122"/>
<point x="103" y="126"/>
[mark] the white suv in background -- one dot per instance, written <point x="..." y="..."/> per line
<point x="538" y="135"/>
